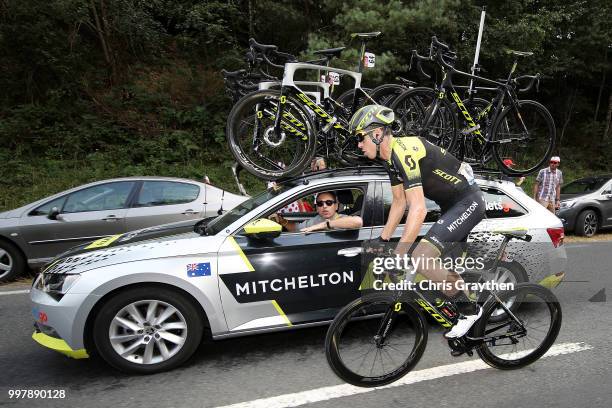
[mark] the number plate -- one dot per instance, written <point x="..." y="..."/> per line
<point x="369" y="60"/>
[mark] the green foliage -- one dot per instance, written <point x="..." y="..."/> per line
<point x="95" y="89"/>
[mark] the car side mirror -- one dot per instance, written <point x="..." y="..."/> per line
<point x="262" y="228"/>
<point x="53" y="214"/>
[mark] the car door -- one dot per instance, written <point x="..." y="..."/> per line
<point x="161" y="202"/>
<point x="295" y="278"/>
<point x="85" y="215"/>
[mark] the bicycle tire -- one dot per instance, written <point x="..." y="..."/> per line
<point x="378" y="302"/>
<point x="411" y="107"/>
<point x="387" y="93"/>
<point x="525" y="293"/>
<point x="242" y="113"/>
<point x="508" y="124"/>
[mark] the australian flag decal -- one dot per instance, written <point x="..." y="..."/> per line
<point x="198" y="269"/>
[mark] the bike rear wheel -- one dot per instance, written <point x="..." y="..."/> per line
<point x="258" y="148"/>
<point x="387" y="93"/>
<point x="540" y="315"/>
<point x="413" y="108"/>
<point x="359" y="357"/>
<point x="524" y="133"/>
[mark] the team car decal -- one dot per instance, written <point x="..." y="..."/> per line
<point x="295" y="291"/>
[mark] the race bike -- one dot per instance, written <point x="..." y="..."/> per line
<point x="505" y="128"/>
<point x="276" y="133"/>
<point x="379" y="337"/>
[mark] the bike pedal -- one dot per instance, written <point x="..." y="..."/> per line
<point x="470" y="353"/>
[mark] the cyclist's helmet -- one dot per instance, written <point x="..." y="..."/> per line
<point x="371" y="116"/>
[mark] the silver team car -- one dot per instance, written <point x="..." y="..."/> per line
<point x="144" y="300"/>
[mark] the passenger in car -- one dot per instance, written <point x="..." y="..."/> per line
<point x="327" y="217"/>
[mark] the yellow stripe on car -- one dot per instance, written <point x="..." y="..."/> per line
<point x="103" y="242"/>
<point x="280" y="312"/>
<point x="58" y="345"/>
<point x="241" y="253"/>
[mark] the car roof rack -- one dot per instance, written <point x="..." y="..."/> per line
<point x="334" y="172"/>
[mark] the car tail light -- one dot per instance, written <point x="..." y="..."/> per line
<point x="556" y="236"/>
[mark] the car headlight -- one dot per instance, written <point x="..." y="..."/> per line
<point x="567" y="204"/>
<point x="56" y="283"/>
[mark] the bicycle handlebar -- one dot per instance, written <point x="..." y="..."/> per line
<point x="534" y="80"/>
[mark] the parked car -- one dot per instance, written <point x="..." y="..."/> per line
<point x="144" y="303"/>
<point x="34" y="234"/>
<point x="586" y="205"/>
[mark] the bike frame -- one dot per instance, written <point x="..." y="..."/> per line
<point x="441" y="317"/>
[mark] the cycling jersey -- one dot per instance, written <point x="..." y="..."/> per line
<point x="415" y="162"/>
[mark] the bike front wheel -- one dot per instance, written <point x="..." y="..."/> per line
<point x="373" y="342"/>
<point x="525" y="334"/>
<point x="256" y="145"/>
<point x="525" y="133"/>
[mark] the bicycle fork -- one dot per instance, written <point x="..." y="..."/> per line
<point x="386" y="324"/>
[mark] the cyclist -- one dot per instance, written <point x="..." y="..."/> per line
<point x="419" y="169"/>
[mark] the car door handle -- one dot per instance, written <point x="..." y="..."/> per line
<point x="350" y="252"/>
<point x="110" y="218"/>
<point x="190" y="212"/>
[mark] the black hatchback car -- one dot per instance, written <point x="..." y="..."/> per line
<point x="586" y="205"/>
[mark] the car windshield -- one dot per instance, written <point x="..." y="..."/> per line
<point x="585" y="185"/>
<point x="220" y="223"/>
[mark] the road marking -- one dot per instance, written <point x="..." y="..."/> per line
<point x="14" y="292"/>
<point x="345" y="390"/>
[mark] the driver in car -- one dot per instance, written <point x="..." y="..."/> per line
<point x="327" y="217"/>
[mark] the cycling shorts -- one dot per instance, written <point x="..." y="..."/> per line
<point x="456" y="223"/>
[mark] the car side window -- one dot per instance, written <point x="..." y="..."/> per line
<point x="433" y="209"/>
<point x="500" y="205"/>
<point x="350" y="202"/>
<point x="109" y="196"/>
<point x="154" y="193"/>
<point x="46" y="208"/>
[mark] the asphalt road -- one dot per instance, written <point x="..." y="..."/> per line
<point x="274" y="368"/>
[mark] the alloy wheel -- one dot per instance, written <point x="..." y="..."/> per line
<point x="148" y="332"/>
<point x="6" y="263"/>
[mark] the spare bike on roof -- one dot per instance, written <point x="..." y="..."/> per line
<point x="506" y="127"/>
<point x="275" y="133"/>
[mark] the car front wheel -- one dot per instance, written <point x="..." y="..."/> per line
<point x="146" y="330"/>
<point x="587" y="223"/>
<point x="12" y="262"/>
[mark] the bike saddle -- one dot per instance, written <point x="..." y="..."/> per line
<point x="262" y="47"/>
<point x="366" y="35"/>
<point x="520" y="53"/>
<point x="233" y="74"/>
<point x="330" y="52"/>
<point x="514" y="233"/>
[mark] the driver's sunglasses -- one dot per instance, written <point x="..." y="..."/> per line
<point x="328" y="203"/>
<point x="361" y="135"/>
<point x="554" y="162"/>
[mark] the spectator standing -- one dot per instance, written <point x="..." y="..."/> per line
<point x="547" y="188"/>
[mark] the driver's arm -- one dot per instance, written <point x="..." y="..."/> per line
<point x="417" y="210"/>
<point x="396" y="213"/>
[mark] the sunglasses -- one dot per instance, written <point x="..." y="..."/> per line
<point x="554" y="162"/>
<point x="328" y="203"/>
<point x="361" y="135"/>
